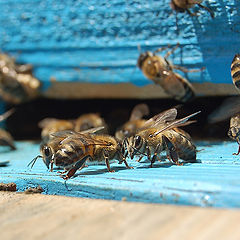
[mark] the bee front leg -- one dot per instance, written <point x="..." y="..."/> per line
<point x="171" y="151"/>
<point x="238" y="151"/>
<point x="106" y="157"/>
<point x="149" y="155"/>
<point x="78" y="165"/>
<point x="185" y="70"/>
<point x="154" y="157"/>
<point x="208" y="9"/>
<point x="171" y="51"/>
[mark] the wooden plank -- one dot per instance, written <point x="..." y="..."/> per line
<point x="213" y="181"/>
<point x="54" y="217"/>
<point x="92" y="42"/>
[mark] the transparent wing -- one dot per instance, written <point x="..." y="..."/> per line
<point x="229" y="108"/>
<point x="178" y="123"/>
<point x="139" y="111"/>
<point x="161" y="118"/>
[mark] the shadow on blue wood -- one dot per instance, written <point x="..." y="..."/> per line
<point x="96" y="42"/>
<point x="214" y="181"/>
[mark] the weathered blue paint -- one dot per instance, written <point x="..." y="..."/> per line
<point x="96" y="41"/>
<point x="213" y="181"/>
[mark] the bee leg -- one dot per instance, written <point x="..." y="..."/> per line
<point x="238" y="151"/>
<point x="208" y="9"/>
<point x="78" y="165"/>
<point x="190" y="13"/>
<point x="106" y="157"/>
<point x="126" y="164"/>
<point x="171" y="51"/>
<point x="185" y="70"/>
<point x="51" y="167"/>
<point x="140" y="158"/>
<point x="161" y="49"/>
<point x="149" y="155"/>
<point x="154" y="157"/>
<point x="171" y="151"/>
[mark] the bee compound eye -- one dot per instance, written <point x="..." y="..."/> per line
<point x="47" y="151"/>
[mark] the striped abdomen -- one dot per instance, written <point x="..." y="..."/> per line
<point x="235" y="70"/>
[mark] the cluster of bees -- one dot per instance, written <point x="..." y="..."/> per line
<point x="74" y="144"/>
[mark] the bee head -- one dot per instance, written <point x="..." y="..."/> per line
<point x="143" y="57"/>
<point x="135" y="144"/>
<point x="47" y="155"/>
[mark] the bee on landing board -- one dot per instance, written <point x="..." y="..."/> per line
<point x="71" y="150"/>
<point x="17" y="83"/>
<point x="184" y="5"/>
<point x="88" y="121"/>
<point x="135" y="122"/>
<point x="5" y="137"/>
<point x="230" y="108"/>
<point x="161" y="133"/>
<point x="235" y="71"/>
<point x="160" y="71"/>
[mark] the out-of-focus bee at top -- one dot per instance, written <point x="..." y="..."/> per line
<point x="160" y="71"/>
<point x="235" y="71"/>
<point x="162" y="133"/>
<point x="5" y="137"/>
<point x="17" y="83"/>
<point x="90" y="120"/>
<point x="230" y="108"/>
<point x="52" y="125"/>
<point x="135" y="122"/>
<point x="71" y="150"/>
<point x="184" y="5"/>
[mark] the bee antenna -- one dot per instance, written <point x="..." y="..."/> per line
<point x="34" y="161"/>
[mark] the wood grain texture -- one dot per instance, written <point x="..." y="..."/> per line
<point x="96" y="42"/>
<point x="213" y="181"/>
<point x="53" y="217"/>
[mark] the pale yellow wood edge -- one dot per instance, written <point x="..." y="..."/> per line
<point x="128" y="90"/>
<point x="56" y="217"/>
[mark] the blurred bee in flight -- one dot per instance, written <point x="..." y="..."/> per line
<point x="161" y="133"/>
<point x="17" y="83"/>
<point x="235" y="71"/>
<point x="160" y="71"/>
<point x="185" y="5"/>
<point x="135" y="122"/>
<point x="71" y="150"/>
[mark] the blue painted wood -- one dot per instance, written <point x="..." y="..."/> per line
<point x="96" y="41"/>
<point x="214" y="181"/>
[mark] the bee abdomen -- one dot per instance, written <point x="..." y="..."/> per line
<point x="235" y="70"/>
<point x="189" y="94"/>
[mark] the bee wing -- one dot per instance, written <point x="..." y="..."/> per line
<point x="92" y="130"/>
<point x="227" y="109"/>
<point x="161" y="118"/>
<point x="6" y="114"/>
<point x="139" y="111"/>
<point x="177" y="123"/>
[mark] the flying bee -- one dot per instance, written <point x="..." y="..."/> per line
<point x="71" y="150"/>
<point x="52" y="125"/>
<point x="135" y="122"/>
<point x="88" y="121"/>
<point x="162" y="133"/>
<point x="17" y="83"/>
<point x="184" y="5"/>
<point x="230" y="108"/>
<point x="160" y="71"/>
<point x="235" y="71"/>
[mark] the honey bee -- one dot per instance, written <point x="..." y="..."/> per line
<point x="230" y="108"/>
<point x="17" y="83"/>
<point x="71" y="150"/>
<point x="160" y="71"/>
<point x="162" y="133"/>
<point x="5" y="137"/>
<point x="90" y="120"/>
<point x="184" y="5"/>
<point x="235" y="71"/>
<point x="135" y="122"/>
<point x="52" y="125"/>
